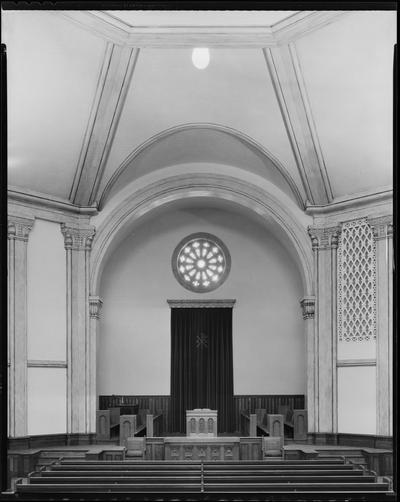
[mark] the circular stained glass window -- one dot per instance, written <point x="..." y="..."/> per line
<point x="201" y="262"/>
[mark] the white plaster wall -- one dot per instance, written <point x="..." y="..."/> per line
<point x="356" y="350"/>
<point x="47" y="408"/>
<point x="357" y="399"/>
<point x="46" y="292"/>
<point x="133" y="349"/>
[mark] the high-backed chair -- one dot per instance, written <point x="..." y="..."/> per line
<point x="135" y="447"/>
<point x="272" y="446"/>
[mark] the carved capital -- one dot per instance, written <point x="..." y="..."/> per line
<point x="308" y="307"/>
<point x="324" y="237"/>
<point x="78" y="238"/>
<point x="95" y="304"/>
<point x="382" y="227"/>
<point x="19" y="228"/>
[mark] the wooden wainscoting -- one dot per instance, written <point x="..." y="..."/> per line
<point x="244" y="403"/>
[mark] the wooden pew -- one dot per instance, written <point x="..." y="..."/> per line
<point x="270" y="424"/>
<point x="153" y="425"/>
<point x="295" y="422"/>
<point x="130" y="426"/>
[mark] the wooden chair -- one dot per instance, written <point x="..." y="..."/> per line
<point x="272" y="446"/>
<point x="135" y="447"/>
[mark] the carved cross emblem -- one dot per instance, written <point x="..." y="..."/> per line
<point x="202" y="340"/>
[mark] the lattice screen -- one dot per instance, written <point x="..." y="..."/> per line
<point x="356" y="282"/>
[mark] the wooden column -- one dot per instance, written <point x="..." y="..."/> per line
<point x="78" y="242"/>
<point x="95" y="304"/>
<point x="383" y="234"/>
<point x="308" y="309"/>
<point x="18" y="233"/>
<point x="324" y="244"/>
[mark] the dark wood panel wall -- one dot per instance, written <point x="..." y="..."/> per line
<point x="241" y="404"/>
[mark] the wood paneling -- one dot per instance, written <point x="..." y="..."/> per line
<point x="241" y="403"/>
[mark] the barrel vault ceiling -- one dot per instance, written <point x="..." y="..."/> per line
<point x="310" y="90"/>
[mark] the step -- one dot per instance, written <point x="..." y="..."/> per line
<point x="117" y="479"/>
<point x="297" y="487"/>
<point x="108" y="488"/>
<point x="207" y="480"/>
<point x="210" y="488"/>
<point x="277" y="472"/>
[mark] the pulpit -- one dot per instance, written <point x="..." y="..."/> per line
<point x="201" y="422"/>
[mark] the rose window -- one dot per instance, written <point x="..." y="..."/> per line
<point x="201" y="262"/>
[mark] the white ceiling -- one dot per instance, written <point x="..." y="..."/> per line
<point x="54" y="67"/>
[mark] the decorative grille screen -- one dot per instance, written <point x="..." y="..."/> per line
<point x="356" y="282"/>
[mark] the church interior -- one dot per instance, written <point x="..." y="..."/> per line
<point x="200" y="254"/>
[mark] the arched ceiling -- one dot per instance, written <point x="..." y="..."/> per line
<point x="314" y="89"/>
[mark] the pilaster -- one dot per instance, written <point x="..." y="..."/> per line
<point x="78" y="243"/>
<point x="383" y="234"/>
<point x="324" y="244"/>
<point x="18" y="234"/>
<point x="308" y="309"/>
<point x="95" y="305"/>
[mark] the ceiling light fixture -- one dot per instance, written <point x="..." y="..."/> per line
<point x="201" y="57"/>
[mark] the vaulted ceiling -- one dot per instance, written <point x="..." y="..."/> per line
<point x="98" y="99"/>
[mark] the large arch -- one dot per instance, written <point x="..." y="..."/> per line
<point x="276" y="215"/>
<point x="201" y="142"/>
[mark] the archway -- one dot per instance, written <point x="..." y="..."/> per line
<point x="262" y="206"/>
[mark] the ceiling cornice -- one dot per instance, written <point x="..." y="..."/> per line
<point x="51" y="207"/>
<point x="357" y="201"/>
<point x="114" y="30"/>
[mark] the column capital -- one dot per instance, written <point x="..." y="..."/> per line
<point x="308" y="307"/>
<point x="382" y="226"/>
<point x="324" y="237"/>
<point x="95" y="304"/>
<point x="19" y="228"/>
<point x="78" y="238"/>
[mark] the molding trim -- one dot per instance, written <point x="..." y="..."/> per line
<point x="356" y="202"/>
<point x="243" y="138"/>
<point x="293" y="27"/>
<point x="112" y="87"/>
<point x="46" y="364"/>
<point x="32" y="201"/>
<point x="190" y="304"/>
<point x="355" y="362"/>
<point x="284" y="69"/>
